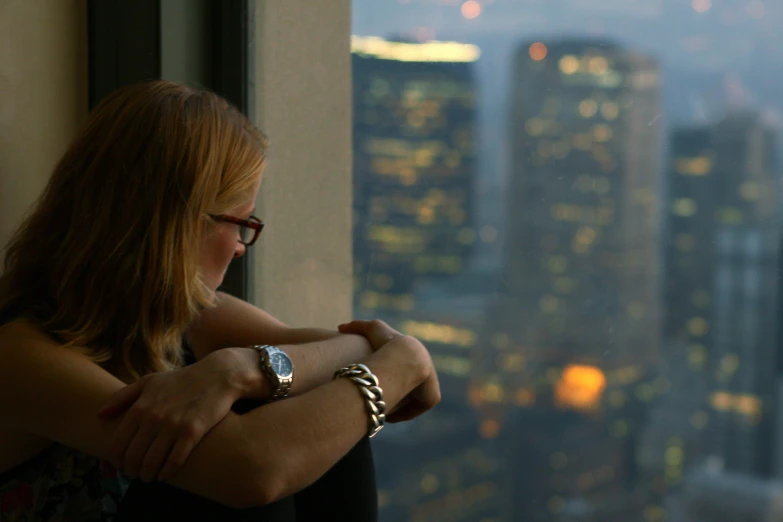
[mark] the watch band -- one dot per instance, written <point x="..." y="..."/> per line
<point x="282" y="383"/>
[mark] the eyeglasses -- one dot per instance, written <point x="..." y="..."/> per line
<point x="249" y="229"/>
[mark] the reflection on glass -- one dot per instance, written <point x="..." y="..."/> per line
<point x="576" y="206"/>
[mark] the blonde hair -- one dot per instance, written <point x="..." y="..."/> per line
<point x="109" y="256"/>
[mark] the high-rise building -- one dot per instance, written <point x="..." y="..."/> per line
<point x="714" y="496"/>
<point x="571" y="342"/>
<point x="579" y="314"/>
<point x="448" y="319"/>
<point x="721" y="291"/>
<point x="776" y="456"/>
<point x="414" y="167"/>
<point x="568" y="467"/>
<point x="724" y="175"/>
<point x="583" y="238"/>
<point x="438" y="468"/>
<point x="743" y="353"/>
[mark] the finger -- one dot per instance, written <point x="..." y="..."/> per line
<point x="156" y="457"/>
<point x="137" y="449"/>
<point x="122" y="438"/>
<point x="357" y="327"/>
<point x="178" y="456"/>
<point x="121" y="400"/>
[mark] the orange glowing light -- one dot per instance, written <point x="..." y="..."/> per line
<point x="538" y="51"/>
<point x="580" y="387"/>
<point x="474" y="396"/>
<point x="471" y="9"/>
<point x="525" y="397"/>
<point x="490" y="428"/>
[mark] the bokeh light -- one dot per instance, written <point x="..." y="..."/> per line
<point x="471" y="9"/>
<point x="702" y="6"/>
<point x="538" y="51"/>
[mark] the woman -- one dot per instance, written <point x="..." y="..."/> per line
<point x="119" y="261"/>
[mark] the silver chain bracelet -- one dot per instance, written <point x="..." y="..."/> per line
<point x="371" y="391"/>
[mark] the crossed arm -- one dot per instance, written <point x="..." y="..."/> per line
<point x="236" y="323"/>
<point x="148" y="443"/>
<point x="53" y="394"/>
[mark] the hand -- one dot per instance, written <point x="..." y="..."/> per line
<point x="376" y="331"/>
<point x="422" y="399"/>
<point x="168" y="413"/>
<point x="425" y="396"/>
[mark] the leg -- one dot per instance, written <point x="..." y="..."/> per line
<point x="160" y="502"/>
<point x="347" y="492"/>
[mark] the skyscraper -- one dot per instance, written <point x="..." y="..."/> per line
<point x="742" y="356"/>
<point x="414" y="170"/>
<point x="581" y="267"/>
<point x="438" y="468"/>
<point x="572" y="340"/>
<point x="583" y="238"/>
<point x="414" y="166"/>
<point x="720" y="176"/>
<point x="721" y="286"/>
<point x="713" y="496"/>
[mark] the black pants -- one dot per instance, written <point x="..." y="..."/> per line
<point x="347" y="492"/>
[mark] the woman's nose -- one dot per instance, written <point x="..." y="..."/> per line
<point x="240" y="250"/>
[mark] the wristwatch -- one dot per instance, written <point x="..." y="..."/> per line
<point x="278" y="368"/>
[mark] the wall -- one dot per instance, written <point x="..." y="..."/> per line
<point x="43" y="96"/>
<point x="301" y="266"/>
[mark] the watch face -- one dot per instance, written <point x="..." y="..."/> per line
<point x="281" y="364"/>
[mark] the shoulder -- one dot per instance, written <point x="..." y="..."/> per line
<point x="18" y="329"/>
<point x="51" y="392"/>
<point x="47" y="389"/>
<point x="26" y="351"/>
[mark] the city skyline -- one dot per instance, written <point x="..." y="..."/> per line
<point x="582" y="343"/>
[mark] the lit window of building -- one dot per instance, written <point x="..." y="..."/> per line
<point x="697" y="326"/>
<point x="730" y="216"/>
<point x="698" y="166"/>
<point x="610" y="110"/>
<point x="588" y="108"/>
<point x="684" y="207"/>
<point x="684" y="242"/>
<point x="750" y="191"/>
<point x="569" y="64"/>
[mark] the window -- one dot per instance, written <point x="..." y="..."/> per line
<point x="577" y="203"/>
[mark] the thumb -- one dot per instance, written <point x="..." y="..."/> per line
<point x="121" y="400"/>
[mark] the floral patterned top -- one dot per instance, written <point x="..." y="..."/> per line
<point x="61" y="484"/>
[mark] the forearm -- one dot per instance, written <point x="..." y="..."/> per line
<point x="299" y="439"/>
<point x="282" y="447"/>
<point x="314" y="364"/>
<point x="308" y="335"/>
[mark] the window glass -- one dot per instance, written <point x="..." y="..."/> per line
<point x="575" y="205"/>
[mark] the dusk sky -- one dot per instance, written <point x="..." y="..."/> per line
<point x="709" y="34"/>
